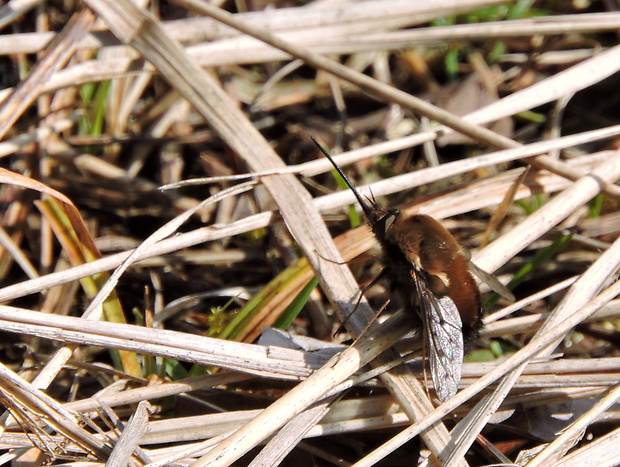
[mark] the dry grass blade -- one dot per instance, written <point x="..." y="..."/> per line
<point x="376" y="89"/>
<point x="35" y="408"/>
<point x="477" y="197"/>
<point x="337" y="29"/>
<point x="95" y="309"/>
<point x="290" y="435"/>
<point x="75" y="237"/>
<point x="13" y="145"/>
<point x="130" y="437"/>
<point x="500" y="213"/>
<point x="207" y="97"/>
<point x="329" y="20"/>
<point x="501" y="250"/>
<point x="577" y="298"/>
<point x="306" y="226"/>
<point x="373" y="87"/>
<point x="98" y="115"/>
<point x="14" y="9"/>
<point x="311" y="390"/>
<point x="252" y="359"/>
<point x="80" y="248"/>
<point x="513" y="365"/>
<point x="602" y="451"/>
<point x="569" y="437"/>
<point x="165" y="231"/>
<point x="59" y="52"/>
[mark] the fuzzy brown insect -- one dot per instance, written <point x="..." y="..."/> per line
<point x="425" y="264"/>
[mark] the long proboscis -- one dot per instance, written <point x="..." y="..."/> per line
<point x="370" y="212"/>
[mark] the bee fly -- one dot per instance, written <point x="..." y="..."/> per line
<point x="425" y="264"/>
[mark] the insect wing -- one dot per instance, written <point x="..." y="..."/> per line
<point x="444" y="336"/>
<point x="494" y="284"/>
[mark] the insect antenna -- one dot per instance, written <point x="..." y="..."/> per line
<point x="371" y="212"/>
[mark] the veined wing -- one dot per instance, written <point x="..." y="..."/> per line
<point x="444" y="337"/>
